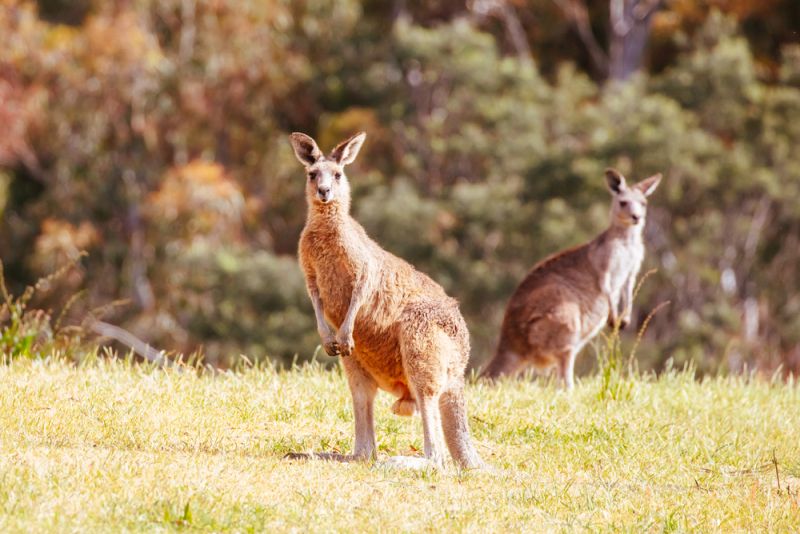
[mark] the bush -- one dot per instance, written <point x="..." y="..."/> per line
<point x="153" y="135"/>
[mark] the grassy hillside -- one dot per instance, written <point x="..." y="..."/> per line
<point x="109" y="443"/>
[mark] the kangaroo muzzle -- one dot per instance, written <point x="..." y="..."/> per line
<point x="324" y="194"/>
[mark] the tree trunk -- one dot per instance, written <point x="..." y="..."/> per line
<point x="630" y="31"/>
<point x="506" y="14"/>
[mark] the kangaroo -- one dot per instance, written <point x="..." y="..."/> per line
<point x="565" y="300"/>
<point x="394" y="327"/>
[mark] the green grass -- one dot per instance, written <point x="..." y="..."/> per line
<point x="112" y="446"/>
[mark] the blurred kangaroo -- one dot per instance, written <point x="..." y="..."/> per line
<point x="395" y="328"/>
<point x="565" y="300"/>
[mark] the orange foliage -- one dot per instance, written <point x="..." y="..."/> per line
<point x="61" y="242"/>
<point x="695" y="12"/>
<point x="201" y="197"/>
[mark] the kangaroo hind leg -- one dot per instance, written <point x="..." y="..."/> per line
<point x="426" y="369"/>
<point x="363" y="389"/>
<point x="566" y="367"/>
<point x="424" y="352"/>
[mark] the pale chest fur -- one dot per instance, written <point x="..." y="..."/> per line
<point x="625" y="262"/>
<point x="614" y="259"/>
<point x="618" y="258"/>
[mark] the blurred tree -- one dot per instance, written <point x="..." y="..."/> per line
<point x="153" y="135"/>
<point x="628" y="30"/>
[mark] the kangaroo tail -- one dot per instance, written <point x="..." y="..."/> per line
<point x="456" y="430"/>
<point x="504" y="362"/>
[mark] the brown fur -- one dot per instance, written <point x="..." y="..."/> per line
<point x="394" y="327"/>
<point x="565" y="300"/>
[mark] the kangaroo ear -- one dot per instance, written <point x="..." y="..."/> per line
<point x="346" y="151"/>
<point x="615" y="181"/>
<point x="305" y="149"/>
<point x="648" y="185"/>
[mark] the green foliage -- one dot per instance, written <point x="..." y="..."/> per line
<point x="260" y="305"/>
<point x="31" y="333"/>
<point x="153" y="135"/>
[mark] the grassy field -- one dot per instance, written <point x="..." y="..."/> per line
<point x="112" y="446"/>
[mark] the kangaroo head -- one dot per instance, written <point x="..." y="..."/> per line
<point x="326" y="183"/>
<point x="629" y="205"/>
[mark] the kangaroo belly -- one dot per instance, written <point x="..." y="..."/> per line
<point x="377" y="338"/>
<point x="385" y="368"/>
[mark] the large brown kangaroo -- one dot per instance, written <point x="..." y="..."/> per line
<point x="394" y="328"/>
<point x="565" y="300"/>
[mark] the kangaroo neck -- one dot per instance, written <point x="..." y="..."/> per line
<point x="625" y="232"/>
<point x="334" y="216"/>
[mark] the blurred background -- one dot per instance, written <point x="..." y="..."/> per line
<point x="153" y="136"/>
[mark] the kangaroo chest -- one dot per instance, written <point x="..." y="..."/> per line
<point x="338" y="267"/>
<point x="623" y="261"/>
<point x="335" y="273"/>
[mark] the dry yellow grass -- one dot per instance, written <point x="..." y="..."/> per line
<point x="109" y="446"/>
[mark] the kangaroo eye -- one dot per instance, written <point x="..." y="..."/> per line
<point x="338" y="176"/>
<point x="312" y="176"/>
<point x="623" y="204"/>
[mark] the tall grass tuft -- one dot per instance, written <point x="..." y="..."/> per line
<point x="618" y="371"/>
<point x="616" y="383"/>
<point x="28" y="332"/>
